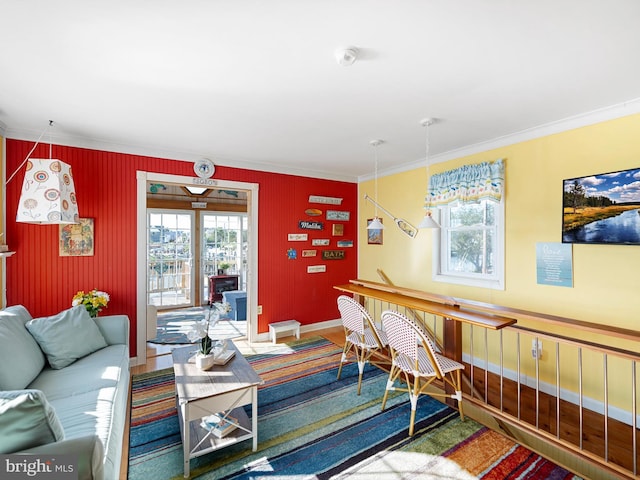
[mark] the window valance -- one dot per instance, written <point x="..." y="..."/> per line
<point x="467" y="184"/>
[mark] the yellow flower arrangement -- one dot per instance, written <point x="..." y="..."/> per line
<point x="93" y="301"/>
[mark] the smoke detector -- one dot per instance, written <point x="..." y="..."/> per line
<point x="346" y="56"/>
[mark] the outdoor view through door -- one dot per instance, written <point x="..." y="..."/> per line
<point x="174" y="256"/>
<point x="169" y="265"/>
<point x="223" y="253"/>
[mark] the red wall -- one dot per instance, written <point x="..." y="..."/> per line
<point x="105" y="182"/>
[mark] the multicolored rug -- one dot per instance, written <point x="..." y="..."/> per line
<point x="170" y="326"/>
<point x="313" y="426"/>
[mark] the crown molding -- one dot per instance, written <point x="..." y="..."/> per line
<point x="613" y="112"/>
<point x="185" y="156"/>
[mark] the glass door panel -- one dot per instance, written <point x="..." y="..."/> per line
<point x="224" y="247"/>
<point x="169" y="258"/>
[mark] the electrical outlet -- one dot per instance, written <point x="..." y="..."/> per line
<point x="536" y="350"/>
<point x="259" y="309"/>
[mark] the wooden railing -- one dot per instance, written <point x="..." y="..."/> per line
<point x="576" y="395"/>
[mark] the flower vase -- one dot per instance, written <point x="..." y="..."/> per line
<point x="204" y="362"/>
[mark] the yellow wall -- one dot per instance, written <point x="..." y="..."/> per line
<point x="606" y="279"/>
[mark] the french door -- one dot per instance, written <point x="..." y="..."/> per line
<point x="170" y="277"/>
<point x="223" y="247"/>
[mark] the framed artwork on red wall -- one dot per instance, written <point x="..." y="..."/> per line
<point x="76" y="240"/>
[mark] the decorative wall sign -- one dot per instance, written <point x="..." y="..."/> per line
<point x="320" y="242"/>
<point x="338" y="215"/>
<point x="76" y="239"/>
<point x="313" y="212"/>
<point x="337" y="229"/>
<point x="309" y="253"/>
<point x="554" y="265"/>
<point x="333" y="254"/>
<point x="326" y="200"/>
<point x="292" y="254"/>
<point x="297" y="237"/>
<point x="316" y="268"/>
<point x="307" y="225"/>
<point x="345" y="243"/>
<point x="374" y="236"/>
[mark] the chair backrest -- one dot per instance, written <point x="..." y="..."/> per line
<point x="405" y="336"/>
<point x="356" y="318"/>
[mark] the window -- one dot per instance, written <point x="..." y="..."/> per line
<point x="470" y="247"/>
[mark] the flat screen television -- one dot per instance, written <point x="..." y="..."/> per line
<point x="603" y="208"/>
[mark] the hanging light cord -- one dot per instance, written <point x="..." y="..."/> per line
<point x="32" y="150"/>
<point x="375" y="187"/>
<point x="426" y="123"/>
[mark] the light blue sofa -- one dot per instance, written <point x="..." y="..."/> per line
<point x="64" y="387"/>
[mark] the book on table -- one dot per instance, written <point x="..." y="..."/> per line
<point x="219" y="424"/>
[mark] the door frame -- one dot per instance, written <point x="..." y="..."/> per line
<point x="252" y="189"/>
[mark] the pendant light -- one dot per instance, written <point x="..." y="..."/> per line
<point x="428" y="221"/>
<point x="375" y="224"/>
<point x="48" y="194"/>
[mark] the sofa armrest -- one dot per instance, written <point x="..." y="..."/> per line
<point x="89" y="450"/>
<point x="114" y="329"/>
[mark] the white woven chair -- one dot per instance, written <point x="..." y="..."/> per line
<point x="363" y="338"/>
<point x="414" y="356"/>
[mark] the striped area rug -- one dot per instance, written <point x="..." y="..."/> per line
<point x="313" y="426"/>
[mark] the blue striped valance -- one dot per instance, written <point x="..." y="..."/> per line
<point x="467" y="184"/>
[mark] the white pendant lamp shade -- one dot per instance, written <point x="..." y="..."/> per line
<point x="48" y="195"/>
<point x="428" y="222"/>
<point x="375" y="224"/>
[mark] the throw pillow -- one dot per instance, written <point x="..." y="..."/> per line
<point x="21" y="359"/>
<point x="67" y="336"/>
<point x="27" y="420"/>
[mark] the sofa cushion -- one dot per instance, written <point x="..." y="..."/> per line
<point x="27" y="420"/>
<point x="67" y="336"/>
<point x="19" y="350"/>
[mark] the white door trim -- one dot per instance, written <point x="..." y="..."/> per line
<point x="252" y="189"/>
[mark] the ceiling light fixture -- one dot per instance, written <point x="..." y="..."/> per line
<point x="375" y="224"/>
<point x="346" y="56"/>
<point x="48" y="195"/>
<point x="428" y="221"/>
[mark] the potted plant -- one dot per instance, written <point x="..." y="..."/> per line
<point x="223" y="267"/>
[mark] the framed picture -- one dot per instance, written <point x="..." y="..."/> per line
<point x="374" y="237"/>
<point x="76" y="240"/>
<point x="337" y="229"/>
<point x="603" y="208"/>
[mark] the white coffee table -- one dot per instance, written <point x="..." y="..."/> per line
<point x="201" y="393"/>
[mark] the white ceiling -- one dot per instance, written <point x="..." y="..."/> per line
<point x="254" y="83"/>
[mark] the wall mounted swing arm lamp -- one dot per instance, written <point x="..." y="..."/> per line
<point x="48" y="194"/>
<point x="402" y="224"/>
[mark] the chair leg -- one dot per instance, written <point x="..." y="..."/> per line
<point x="394" y="373"/>
<point x="362" y="361"/>
<point x="459" y="394"/>
<point x="343" y="359"/>
<point x="414" y="393"/>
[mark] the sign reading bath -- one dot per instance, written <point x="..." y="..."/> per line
<point x="307" y="225"/>
<point x="333" y="254"/>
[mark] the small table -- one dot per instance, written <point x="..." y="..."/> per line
<point x="224" y="388"/>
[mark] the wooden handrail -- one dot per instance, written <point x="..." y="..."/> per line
<point x="392" y="295"/>
<point x="514" y="313"/>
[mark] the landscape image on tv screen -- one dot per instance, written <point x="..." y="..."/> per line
<point x="602" y="208"/>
